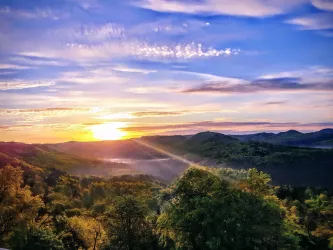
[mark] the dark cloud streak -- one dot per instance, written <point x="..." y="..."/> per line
<point x="261" y="85"/>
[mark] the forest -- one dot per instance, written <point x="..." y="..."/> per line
<point x="205" y="208"/>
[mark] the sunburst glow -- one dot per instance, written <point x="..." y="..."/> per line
<point x="109" y="131"/>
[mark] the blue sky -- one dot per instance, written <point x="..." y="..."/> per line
<point x="164" y="67"/>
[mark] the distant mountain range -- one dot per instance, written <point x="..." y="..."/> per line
<point x="167" y="156"/>
<point x="322" y="138"/>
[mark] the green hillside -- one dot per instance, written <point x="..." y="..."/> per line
<point x="286" y="164"/>
<point x="45" y="157"/>
<point x="292" y="137"/>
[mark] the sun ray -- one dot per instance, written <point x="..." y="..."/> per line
<point x="165" y="152"/>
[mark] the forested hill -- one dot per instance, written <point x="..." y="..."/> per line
<point x="322" y="138"/>
<point x="43" y="207"/>
<point x="286" y="164"/>
<point x="27" y="156"/>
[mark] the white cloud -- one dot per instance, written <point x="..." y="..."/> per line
<point x="91" y="76"/>
<point x="318" y="21"/>
<point x="253" y="8"/>
<point x="12" y="66"/>
<point x="144" y="50"/>
<point x="323" y="4"/>
<point x="90" y="33"/>
<point x="150" y="89"/>
<point x="15" y="85"/>
<point x="168" y="26"/>
<point x="209" y="77"/>
<point x="36" y="61"/>
<point x="182" y="51"/>
<point x="133" y="70"/>
<point x="36" y="13"/>
<point x="314" y="74"/>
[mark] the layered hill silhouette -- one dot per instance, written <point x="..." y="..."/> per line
<point x="322" y="138"/>
<point x="166" y="157"/>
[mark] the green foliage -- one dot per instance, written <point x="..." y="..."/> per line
<point x="18" y="207"/>
<point x="287" y="164"/>
<point x="37" y="239"/>
<point x="126" y="223"/>
<point x="206" y="208"/>
<point x="207" y="213"/>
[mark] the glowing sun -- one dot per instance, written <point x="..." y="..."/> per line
<point x="109" y="131"/>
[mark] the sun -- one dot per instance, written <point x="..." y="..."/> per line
<point x="109" y="131"/>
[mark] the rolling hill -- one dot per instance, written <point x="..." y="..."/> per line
<point x="322" y="138"/>
<point x="28" y="156"/>
<point x="287" y="164"/>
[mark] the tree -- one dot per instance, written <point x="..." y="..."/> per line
<point x="257" y="183"/>
<point x="88" y="230"/>
<point x="18" y="207"/>
<point x="206" y="212"/>
<point x="37" y="239"/>
<point x="126" y="223"/>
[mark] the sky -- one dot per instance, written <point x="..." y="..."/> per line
<point x="96" y="69"/>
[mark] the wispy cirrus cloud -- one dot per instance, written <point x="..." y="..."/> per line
<point x="252" y="8"/>
<point x="37" y="115"/>
<point x="158" y="113"/>
<point x="126" y="69"/>
<point x="113" y="41"/>
<point x="26" y="62"/>
<point x="13" y="66"/>
<point x="317" y="21"/>
<point x="127" y="116"/>
<point x="37" y="13"/>
<point x="316" y="78"/>
<point x="90" y="33"/>
<point x="41" y="110"/>
<point x="323" y="4"/>
<point x="24" y="84"/>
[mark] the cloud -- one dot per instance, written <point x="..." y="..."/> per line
<point x="12" y="66"/>
<point x="260" y="85"/>
<point x="36" y="115"/>
<point x="275" y="103"/>
<point x="70" y="43"/>
<point x="13" y="127"/>
<point x="311" y="74"/>
<point x="156" y="113"/>
<point x="152" y="89"/>
<point x="168" y="26"/>
<point x="37" y="13"/>
<point x="252" y="8"/>
<point x="323" y="4"/>
<point x="90" y="33"/>
<point x="133" y="70"/>
<point x="21" y="84"/>
<point x="317" y="21"/>
<point x="227" y="127"/>
<point x="91" y="76"/>
<point x="149" y="114"/>
<point x="36" y="61"/>
<point x="143" y="50"/>
<point x="41" y="110"/>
